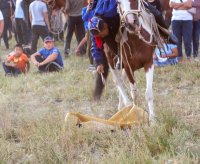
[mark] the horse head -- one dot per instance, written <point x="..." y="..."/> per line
<point x="129" y="12"/>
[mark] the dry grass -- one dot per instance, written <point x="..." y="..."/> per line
<point x="33" y="107"/>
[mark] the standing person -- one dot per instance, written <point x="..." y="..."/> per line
<point x="182" y="25"/>
<point x="196" y="29"/>
<point x="16" y="63"/>
<point x="49" y="58"/>
<point x="5" y="9"/>
<point x="1" y="23"/>
<point x="39" y="18"/>
<point x="73" y="9"/>
<point x="21" y="27"/>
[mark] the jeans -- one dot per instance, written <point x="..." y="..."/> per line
<point x="49" y="67"/>
<point x="183" y="29"/>
<point x="195" y="37"/>
<point x="74" y="24"/>
<point x="38" y="31"/>
<point x="21" y="31"/>
<point x="11" y="70"/>
<point x="7" y="23"/>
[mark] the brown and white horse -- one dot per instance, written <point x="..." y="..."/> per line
<point x="136" y="53"/>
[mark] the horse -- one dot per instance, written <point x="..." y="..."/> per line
<point x="136" y="53"/>
<point x="136" y="47"/>
<point x="167" y="11"/>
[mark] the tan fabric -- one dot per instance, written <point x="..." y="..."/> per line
<point x="125" y="118"/>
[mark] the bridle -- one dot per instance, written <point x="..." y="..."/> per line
<point x="123" y="14"/>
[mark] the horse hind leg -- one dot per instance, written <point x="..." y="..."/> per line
<point x="149" y="92"/>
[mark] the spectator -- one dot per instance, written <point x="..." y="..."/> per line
<point x="166" y="55"/>
<point x="182" y="25"/>
<point x="21" y="26"/>
<point x="196" y="29"/>
<point x="17" y="62"/>
<point x="5" y="7"/>
<point x="87" y="14"/>
<point x="40" y="22"/>
<point x="1" y="23"/>
<point x="73" y="9"/>
<point x="49" y="58"/>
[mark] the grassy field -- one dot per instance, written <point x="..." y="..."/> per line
<point x="33" y="108"/>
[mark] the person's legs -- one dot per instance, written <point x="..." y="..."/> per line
<point x="5" y="32"/>
<point x="40" y="59"/>
<point x="187" y="37"/>
<point x="53" y="67"/>
<point x="19" y="30"/>
<point x="25" y="32"/>
<point x="70" y="30"/>
<point x="80" y="33"/>
<point x="10" y="70"/>
<point x="35" y="37"/>
<point x="177" y="30"/>
<point x="195" y="39"/>
<point x="43" y="31"/>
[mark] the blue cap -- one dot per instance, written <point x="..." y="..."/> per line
<point x="95" y="25"/>
<point x="48" y="39"/>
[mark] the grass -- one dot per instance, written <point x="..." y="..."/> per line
<point x="33" y="107"/>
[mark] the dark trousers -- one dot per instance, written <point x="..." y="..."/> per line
<point x="11" y="70"/>
<point x="21" y="31"/>
<point x="195" y="37"/>
<point x="183" y="29"/>
<point x="7" y="23"/>
<point x="38" y="31"/>
<point x="74" y="24"/>
<point x="50" y="67"/>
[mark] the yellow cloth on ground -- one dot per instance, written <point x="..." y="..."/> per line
<point x="125" y="118"/>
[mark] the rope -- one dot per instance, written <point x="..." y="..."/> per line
<point x="56" y="23"/>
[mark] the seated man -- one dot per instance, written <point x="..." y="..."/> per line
<point x="49" y="58"/>
<point x="17" y="62"/>
<point x="168" y="55"/>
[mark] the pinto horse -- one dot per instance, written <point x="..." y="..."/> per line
<point x="136" y="51"/>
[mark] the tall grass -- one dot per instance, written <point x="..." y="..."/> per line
<point x="33" y="107"/>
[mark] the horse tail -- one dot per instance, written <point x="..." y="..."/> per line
<point x="99" y="84"/>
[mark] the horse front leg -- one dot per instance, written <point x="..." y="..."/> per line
<point x="149" y="91"/>
<point x="123" y="98"/>
<point x="133" y="92"/>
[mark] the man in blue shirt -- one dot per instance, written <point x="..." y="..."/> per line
<point x="48" y="59"/>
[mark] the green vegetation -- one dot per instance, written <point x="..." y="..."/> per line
<point x="33" y="108"/>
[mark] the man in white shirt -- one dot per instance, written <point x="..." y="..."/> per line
<point x="21" y="26"/>
<point x="182" y="25"/>
<point x="1" y="23"/>
<point x="38" y="14"/>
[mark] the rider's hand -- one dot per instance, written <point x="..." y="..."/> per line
<point x="100" y="69"/>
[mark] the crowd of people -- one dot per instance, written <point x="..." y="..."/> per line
<point x="97" y="23"/>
